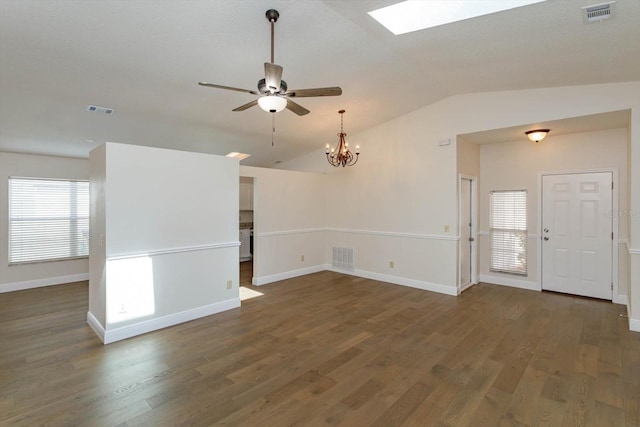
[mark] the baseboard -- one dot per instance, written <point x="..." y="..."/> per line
<point x="263" y="280"/>
<point x="95" y="325"/>
<point x="116" y="334"/>
<point x="634" y="325"/>
<point x="621" y="299"/>
<point x="465" y="287"/>
<point x="403" y="281"/>
<point x="508" y="281"/>
<point x="40" y="283"/>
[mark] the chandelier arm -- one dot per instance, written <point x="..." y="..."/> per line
<point x="331" y="158"/>
<point x="348" y="157"/>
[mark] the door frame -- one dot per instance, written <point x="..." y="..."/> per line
<point x="615" y="222"/>
<point x="474" y="230"/>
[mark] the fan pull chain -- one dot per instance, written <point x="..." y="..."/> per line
<point x="273" y="127"/>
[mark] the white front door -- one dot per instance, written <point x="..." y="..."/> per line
<point x="577" y="234"/>
<point x="466" y="242"/>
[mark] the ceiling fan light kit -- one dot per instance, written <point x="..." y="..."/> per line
<point x="274" y="94"/>
<point x="272" y="103"/>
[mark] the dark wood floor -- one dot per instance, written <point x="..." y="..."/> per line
<point x="246" y="273"/>
<point x="327" y="349"/>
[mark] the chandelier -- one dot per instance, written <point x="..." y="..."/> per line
<point x="341" y="155"/>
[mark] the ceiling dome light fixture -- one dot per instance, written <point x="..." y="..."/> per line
<point x="272" y="103"/>
<point x="537" y="135"/>
<point x="341" y="155"/>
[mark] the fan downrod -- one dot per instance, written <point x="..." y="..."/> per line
<point x="272" y="15"/>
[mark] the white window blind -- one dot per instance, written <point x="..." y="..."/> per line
<point x="48" y="220"/>
<point x="508" y="231"/>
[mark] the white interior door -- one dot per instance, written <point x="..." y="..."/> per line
<point x="577" y="239"/>
<point x="466" y="237"/>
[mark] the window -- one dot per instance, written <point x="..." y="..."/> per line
<point x="48" y="220"/>
<point x="508" y="231"/>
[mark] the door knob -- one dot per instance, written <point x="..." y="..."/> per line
<point x="471" y="239"/>
<point x="546" y="238"/>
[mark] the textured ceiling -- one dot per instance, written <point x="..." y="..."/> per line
<point x="144" y="58"/>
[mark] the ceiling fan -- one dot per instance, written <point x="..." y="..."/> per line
<point x="273" y="93"/>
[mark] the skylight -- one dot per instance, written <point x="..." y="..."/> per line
<point x="414" y="15"/>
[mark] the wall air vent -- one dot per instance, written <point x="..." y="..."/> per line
<point x="342" y="259"/>
<point x="103" y="110"/>
<point x="597" y="12"/>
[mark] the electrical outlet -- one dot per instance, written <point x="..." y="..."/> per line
<point x="301" y="258"/>
<point x="229" y="284"/>
<point x="392" y="264"/>
<point x="446" y="228"/>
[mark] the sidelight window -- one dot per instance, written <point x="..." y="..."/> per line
<point x="508" y="231"/>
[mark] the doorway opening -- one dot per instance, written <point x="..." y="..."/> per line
<point x="246" y="231"/>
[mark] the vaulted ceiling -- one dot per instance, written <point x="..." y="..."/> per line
<point x="143" y="58"/>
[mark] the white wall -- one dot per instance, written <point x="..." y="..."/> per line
<point x="98" y="258"/>
<point x="515" y="165"/>
<point x="170" y="226"/>
<point x="468" y="158"/>
<point x="289" y="222"/>
<point x="404" y="187"/>
<point x="47" y="273"/>
<point x="399" y="204"/>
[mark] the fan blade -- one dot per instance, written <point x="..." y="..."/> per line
<point x="296" y="108"/>
<point x="321" y="91"/>
<point x="272" y="76"/>
<point x="246" y="106"/>
<point x="253" y="92"/>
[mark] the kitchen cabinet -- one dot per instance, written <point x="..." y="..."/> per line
<point x="246" y="196"/>
<point x="245" y="243"/>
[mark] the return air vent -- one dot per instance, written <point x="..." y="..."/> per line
<point x="343" y="259"/>
<point x="597" y="12"/>
<point x="103" y="110"/>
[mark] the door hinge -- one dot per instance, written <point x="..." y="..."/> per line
<point x="611" y="285"/>
<point x="612" y="235"/>
<point x="612" y="185"/>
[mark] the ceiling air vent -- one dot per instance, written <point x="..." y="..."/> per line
<point x="103" y="110"/>
<point x="597" y="12"/>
